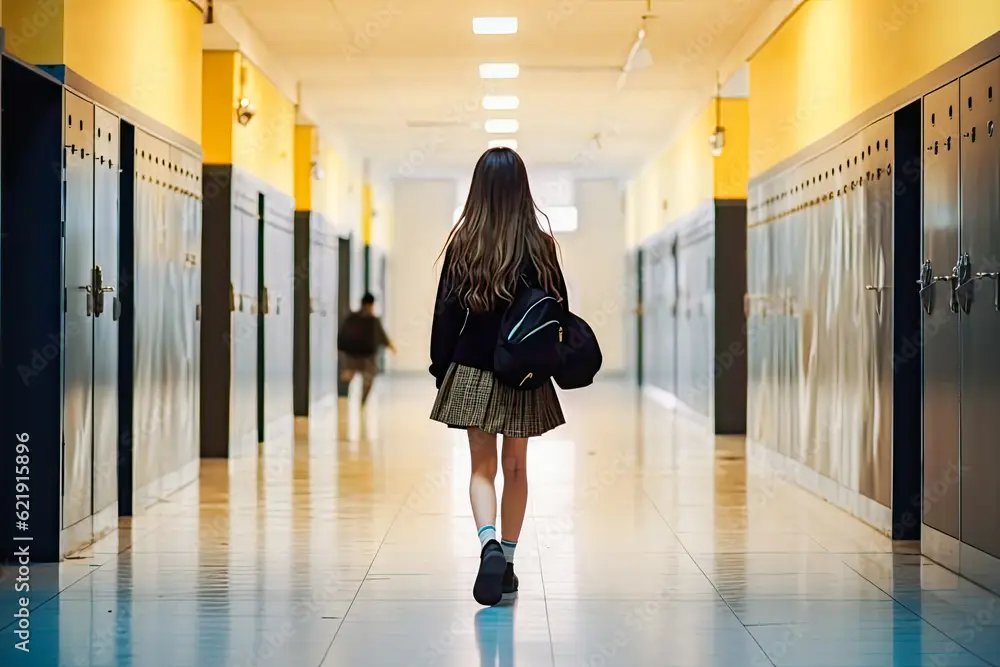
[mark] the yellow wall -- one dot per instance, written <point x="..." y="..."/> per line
<point x="686" y="169"/>
<point x="733" y="166"/>
<point x="306" y="141"/>
<point x="218" y="111"/>
<point x="687" y="175"/>
<point x="266" y="146"/>
<point x="146" y="53"/>
<point x="832" y="60"/>
<point x="327" y="195"/>
<point x="34" y="30"/>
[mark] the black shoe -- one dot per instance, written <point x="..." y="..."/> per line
<point x="509" y="580"/>
<point x="489" y="582"/>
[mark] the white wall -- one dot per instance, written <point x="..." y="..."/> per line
<point x="422" y="217"/>
<point x="592" y="264"/>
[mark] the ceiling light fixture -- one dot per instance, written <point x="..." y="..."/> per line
<point x="495" y="25"/>
<point x="499" y="70"/>
<point x="502" y="126"/>
<point x="638" y="58"/>
<point x="501" y="102"/>
<point x="503" y="143"/>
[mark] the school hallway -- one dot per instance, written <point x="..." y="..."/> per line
<point x="646" y="543"/>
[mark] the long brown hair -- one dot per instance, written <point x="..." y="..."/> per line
<point x="497" y="234"/>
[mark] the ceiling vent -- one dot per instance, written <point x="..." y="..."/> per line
<point x="431" y="124"/>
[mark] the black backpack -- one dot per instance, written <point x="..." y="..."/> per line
<point x="580" y="356"/>
<point x="531" y="331"/>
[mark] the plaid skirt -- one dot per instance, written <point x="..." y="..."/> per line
<point x="470" y="397"/>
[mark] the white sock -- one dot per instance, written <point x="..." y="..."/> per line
<point x="508" y="549"/>
<point x="487" y="533"/>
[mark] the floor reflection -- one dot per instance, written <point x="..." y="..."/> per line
<point x="347" y="539"/>
<point x="495" y="635"/>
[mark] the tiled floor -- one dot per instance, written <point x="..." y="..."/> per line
<point x="646" y="544"/>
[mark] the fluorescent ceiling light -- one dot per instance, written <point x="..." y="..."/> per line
<point x="504" y="143"/>
<point x="502" y="126"/>
<point x="563" y="219"/>
<point x="495" y="25"/>
<point x="499" y="70"/>
<point x="501" y="102"/>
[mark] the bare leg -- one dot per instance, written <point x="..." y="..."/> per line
<point x="482" y="492"/>
<point x="367" y="380"/>
<point x="515" y="487"/>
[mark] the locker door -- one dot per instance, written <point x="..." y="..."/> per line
<point x="237" y="324"/>
<point x="683" y="324"/>
<point x="186" y="219"/>
<point x="107" y="311"/>
<point x="192" y="193"/>
<point x="941" y="348"/>
<point x="876" y="470"/>
<point x="669" y="305"/>
<point x="279" y="258"/>
<point x="243" y="386"/>
<point x="322" y="334"/>
<point x="316" y="307"/>
<point x="980" y="329"/>
<point x="246" y="219"/>
<point x="78" y="381"/>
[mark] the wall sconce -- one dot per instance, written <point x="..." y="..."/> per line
<point x="245" y="111"/>
<point x="316" y="169"/>
<point x="717" y="140"/>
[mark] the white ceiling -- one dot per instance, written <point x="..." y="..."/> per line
<point x="400" y="78"/>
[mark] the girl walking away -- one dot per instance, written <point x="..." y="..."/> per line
<point x="497" y="248"/>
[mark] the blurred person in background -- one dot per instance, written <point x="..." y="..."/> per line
<point x="359" y="342"/>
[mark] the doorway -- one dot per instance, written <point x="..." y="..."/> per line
<point x="344" y="268"/>
<point x="907" y="420"/>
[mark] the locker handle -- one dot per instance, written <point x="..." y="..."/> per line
<point x="197" y="313"/>
<point x="232" y="299"/>
<point x="962" y="294"/>
<point x="928" y="280"/>
<point x="265" y="304"/>
<point x="116" y="309"/>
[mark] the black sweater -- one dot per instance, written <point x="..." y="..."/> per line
<point x="469" y="338"/>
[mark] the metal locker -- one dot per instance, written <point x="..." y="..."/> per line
<point x="279" y="261"/>
<point x="155" y="432"/>
<point x="78" y="380"/>
<point x="107" y="312"/>
<point x="978" y="285"/>
<point x="876" y="472"/>
<point x="237" y="324"/>
<point x="323" y="311"/>
<point x="668" y="314"/>
<point x="244" y="327"/>
<point x="191" y="192"/>
<point x="940" y="327"/>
